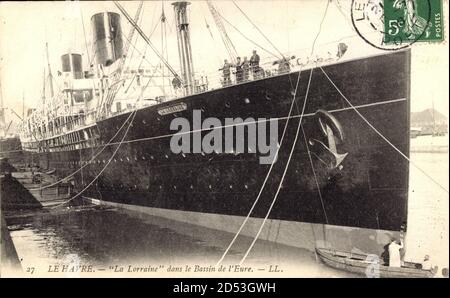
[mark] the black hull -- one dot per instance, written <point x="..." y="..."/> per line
<point x="370" y="191"/>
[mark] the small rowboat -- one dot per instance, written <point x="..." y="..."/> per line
<point x="359" y="263"/>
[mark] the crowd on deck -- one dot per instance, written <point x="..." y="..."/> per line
<point x="242" y="69"/>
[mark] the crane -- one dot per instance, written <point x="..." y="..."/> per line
<point x="223" y="33"/>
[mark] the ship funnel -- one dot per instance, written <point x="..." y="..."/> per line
<point x="72" y="63"/>
<point x="107" y="37"/>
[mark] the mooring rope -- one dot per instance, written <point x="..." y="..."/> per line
<point x="284" y="172"/>
<point x="315" y="176"/>
<point x="267" y="175"/>
<point x="296" y="136"/>
<point x="381" y="135"/>
<point x="86" y="164"/>
<point x="102" y="170"/>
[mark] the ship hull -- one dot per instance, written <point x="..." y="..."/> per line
<point x="292" y="233"/>
<point x="367" y="192"/>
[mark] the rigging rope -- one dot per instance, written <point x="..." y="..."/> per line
<point x="143" y="57"/>
<point x="229" y="46"/>
<point x="243" y="35"/>
<point x="380" y="134"/>
<point x="346" y="17"/>
<point x="267" y="175"/>
<point x="138" y="20"/>
<point x="84" y="33"/>
<point x="102" y="170"/>
<point x="146" y="39"/>
<point x="254" y="25"/>
<point x="320" y="27"/>
<point x="284" y="172"/>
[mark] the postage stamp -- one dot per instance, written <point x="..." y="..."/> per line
<point x="397" y="24"/>
<point x="406" y="20"/>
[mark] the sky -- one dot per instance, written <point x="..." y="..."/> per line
<point x="290" y="25"/>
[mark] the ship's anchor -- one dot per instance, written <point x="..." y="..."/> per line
<point x="332" y="129"/>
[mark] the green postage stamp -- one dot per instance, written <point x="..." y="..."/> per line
<point x="413" y="20"/>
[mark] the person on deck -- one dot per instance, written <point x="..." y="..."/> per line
<point x="176" y="83"/>
<point x="239" y="70"/>
<point x="246" y="69"/>
<point x="426" y="264"/>
<point x="284" y="65"/>
<point x="226" y="73"/>
<point x="394" y="253"/>
<point x="254" y="64"/>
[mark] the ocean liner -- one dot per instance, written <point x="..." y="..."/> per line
<point x="344" y="185"/>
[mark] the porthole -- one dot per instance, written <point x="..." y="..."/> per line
<point x="247" y="100"/>
<point x="227" y="104"/>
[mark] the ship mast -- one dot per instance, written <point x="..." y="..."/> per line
<point x="184" y="46"/>
<point x="23" y="105"/>
<point x="50" y="76"/>
<point x="43" y="88"/>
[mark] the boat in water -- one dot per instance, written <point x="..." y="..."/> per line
<point x="364" y="264"/>
<point x="334" y="178"/>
